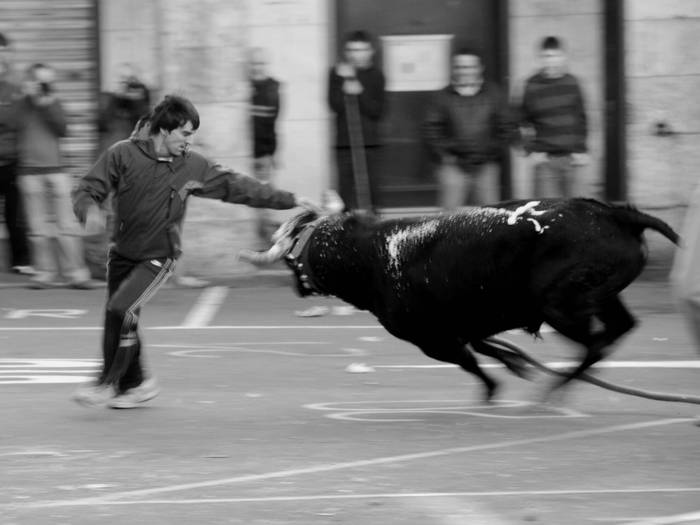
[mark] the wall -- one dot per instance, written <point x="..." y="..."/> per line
<point x="663" y="79"/>
<point x="198" y="49"/>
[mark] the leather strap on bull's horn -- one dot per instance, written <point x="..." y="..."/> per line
<point x="298" y="260"/>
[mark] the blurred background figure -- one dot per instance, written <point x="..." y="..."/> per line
<point x="121" y="109"/>
<point x="53" y="229"/>
<point x="13" y="206"/>
<point x="685" y="271"/>
<point x="356" y="96"/>
<point x="265" y="107"/>
<point x="466" y="127"/>
<point x="554" y="118"/>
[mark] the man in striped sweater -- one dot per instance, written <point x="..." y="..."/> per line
<point x="554" y="114"/>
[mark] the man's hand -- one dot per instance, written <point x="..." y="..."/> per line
<point x="345" y="70"/>
<point x="94" y="221"/>
<point x="352" y="87"/>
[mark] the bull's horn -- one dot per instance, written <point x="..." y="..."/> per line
<point x="274" y="254"/>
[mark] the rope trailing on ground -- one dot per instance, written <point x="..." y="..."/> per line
<point x="657" y="396"/>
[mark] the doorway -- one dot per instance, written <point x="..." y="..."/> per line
<point x="406" y="177"/>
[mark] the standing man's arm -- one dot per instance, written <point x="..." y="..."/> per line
<point x="51" y="111"/>
<point x="335" y="92"/>
<point x="581" y="119"/>
<point x="435" y="130"/>
<point x="371" y="98"/>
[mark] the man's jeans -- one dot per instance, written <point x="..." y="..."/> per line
<point x="54" y="231"/>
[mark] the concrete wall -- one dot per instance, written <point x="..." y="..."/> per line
<point x="663" y="79"/>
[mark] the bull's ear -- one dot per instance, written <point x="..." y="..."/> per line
<point x="331" y="202"/>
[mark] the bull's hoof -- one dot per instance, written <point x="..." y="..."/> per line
<point x="518" y="366"/>
<point x="490" y="392"/>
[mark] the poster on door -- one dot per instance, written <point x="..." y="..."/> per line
<point x="416" y="62"/>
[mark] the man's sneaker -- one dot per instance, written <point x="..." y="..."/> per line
<point x="137" y="396"/>
<point x="24" y="269"/>
<point x="93" y="394"/>
<point x="89" y="284"/>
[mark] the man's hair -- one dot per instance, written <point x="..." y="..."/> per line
<point x="551" y="42"/>
<point x="359" y="36"/>
<point x="174" y="111"/>
<point x="4" y="41"/>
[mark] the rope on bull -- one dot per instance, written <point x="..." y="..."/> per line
<point x="657" y="396"/>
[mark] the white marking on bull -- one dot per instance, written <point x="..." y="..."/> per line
<point x="538" y="227"/>
<point x="522" y="210"/>
<point x="400" y="240"/>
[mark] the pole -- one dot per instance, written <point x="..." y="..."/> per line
<point x="357" y="150"/>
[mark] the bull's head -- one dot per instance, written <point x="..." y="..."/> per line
<point x="286" y="236"/>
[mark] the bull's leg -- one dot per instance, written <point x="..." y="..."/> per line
<point x="514" y="362"/>
<point x="616" y="320"/>
<point x="457" y="353"/>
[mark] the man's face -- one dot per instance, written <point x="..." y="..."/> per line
<point x="466" y="70"/>
<point x="179" y="140"/>
<point x="359" y="54"/>
<point x="553" y="62"/>
<point x="257" y="65"/>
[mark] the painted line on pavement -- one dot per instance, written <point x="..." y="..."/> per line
<point x="204" y="310"/>
<point x="180" y="327"/>
<point x="398" y="495"/>
<point x="676" y="519"/>
<point x="332" y="467"/>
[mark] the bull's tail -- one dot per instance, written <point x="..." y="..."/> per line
<point x="638" y="221"/>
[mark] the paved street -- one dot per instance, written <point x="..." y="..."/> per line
<point x="270" y="418"/>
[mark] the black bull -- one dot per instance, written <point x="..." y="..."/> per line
<point x="447" y="282"/>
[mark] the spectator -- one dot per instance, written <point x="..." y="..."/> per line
<point x="46" y="187"/>
<point x="13" y="206"/>
<point x="685" y="272"/>
<point x="554" y="116"/>
<point x="356" y="96"/>
<point x="466" y="127"/>
<point x="151" y="180"/>
<point x="121" y="109"/>
<point x="265" y="107"/>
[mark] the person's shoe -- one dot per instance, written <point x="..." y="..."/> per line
<point x="93" y="394"/>
<point x="24" y="270"/>
<point x="137" y="396"/>
<point x="314" y="311"/>
<point x="89" y="284"/>
<point x="44" y="283"/>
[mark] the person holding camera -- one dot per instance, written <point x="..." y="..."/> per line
<point x="54" y="232"/>
<point x="121" y="109"/>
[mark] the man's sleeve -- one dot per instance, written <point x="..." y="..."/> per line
<point x="434" y="129"/>
<point x="581" y="119"/>
<point x="335" y="92"/>
<point x="95" y="186"/>
<point x="55" y="118"/>
<point x="227" y="185"/>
